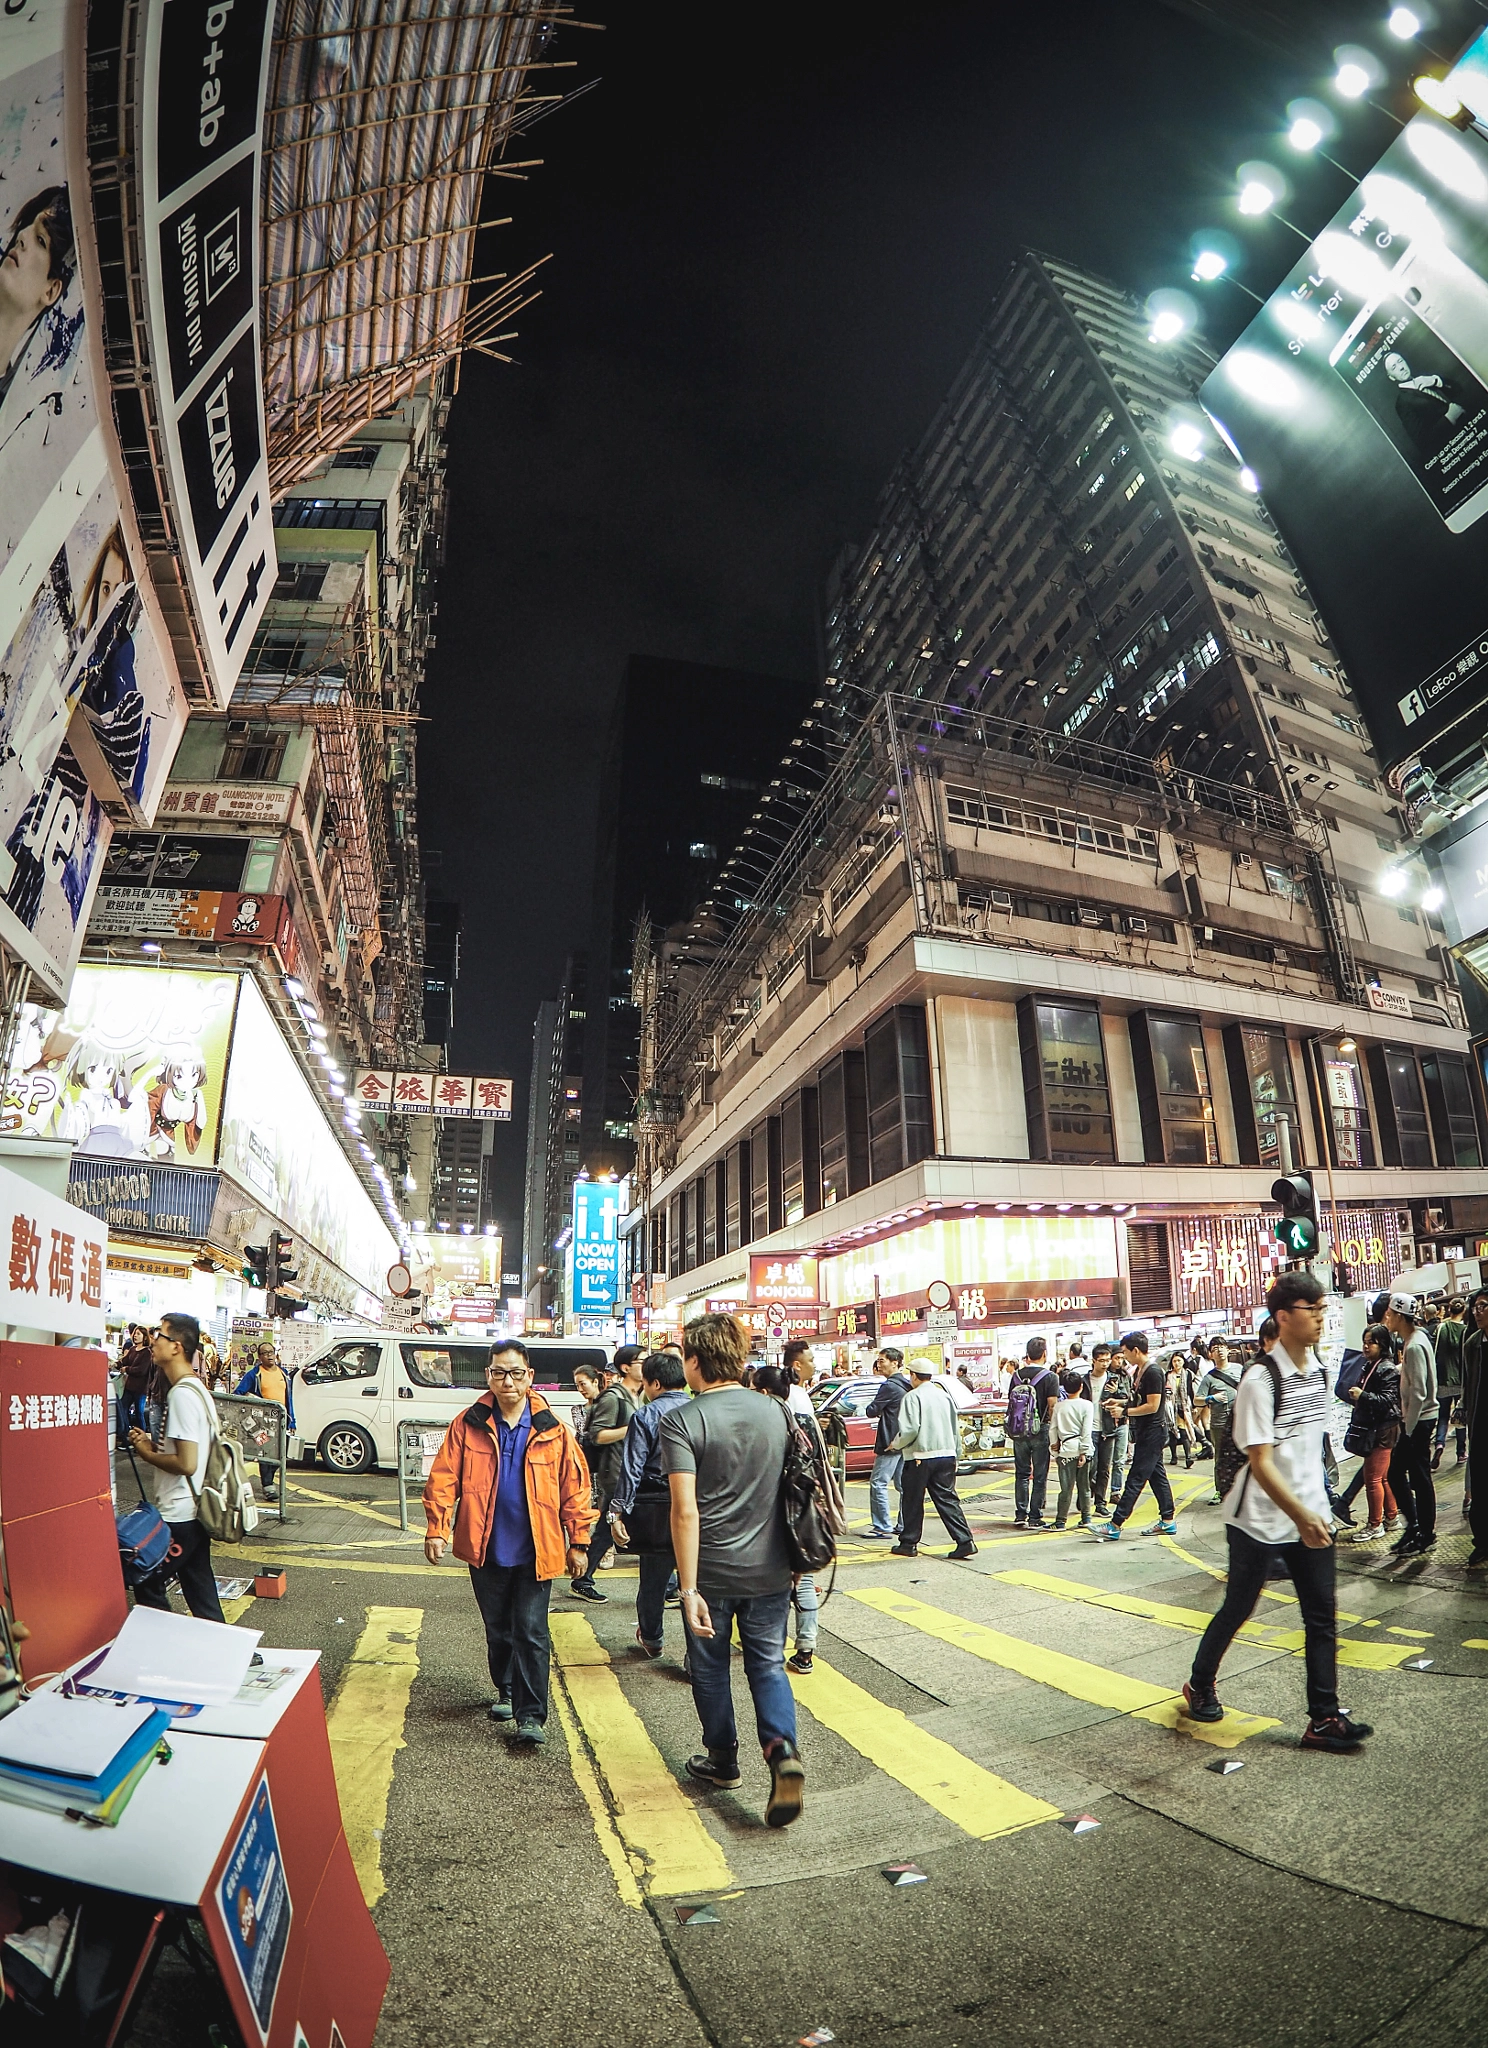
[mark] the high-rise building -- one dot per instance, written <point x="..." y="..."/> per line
<point x="1093" y="879"/>
<point x="441" y="969"/>
<point x="460" y="1189"/>
<point x="1058" y="551"/>
<point x="692" y="749"/>
<point x="554" y="1117"/>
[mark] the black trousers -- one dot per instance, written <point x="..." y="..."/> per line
<point x="937" y="1477"/>
<point x="1477" y="1480"/>
<point x="190" y="1563"/>
<point x="1314" y="1575"/>
<point x="513" y="1602"/>
<point x="1410" y="1477"/>
<point x="1145" y="1469"/>
<point x="602" y="1538"/>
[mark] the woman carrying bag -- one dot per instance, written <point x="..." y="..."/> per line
<point x="1374" y="1427"/>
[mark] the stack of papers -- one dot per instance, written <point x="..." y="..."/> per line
<point x="81" y="1758"/>
<point x="171" y="1657"/>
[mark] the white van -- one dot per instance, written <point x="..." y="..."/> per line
<point x="351" y="1396"/>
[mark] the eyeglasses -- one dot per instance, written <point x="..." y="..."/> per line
<point x="506" y="1372"/>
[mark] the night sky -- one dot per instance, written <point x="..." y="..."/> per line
<point x="770" y="253"/>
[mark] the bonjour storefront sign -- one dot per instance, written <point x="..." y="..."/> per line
<point x="982" y="1304"/>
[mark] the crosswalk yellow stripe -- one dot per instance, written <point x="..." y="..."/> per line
<point x="1360" y="1656"/>
<point x="366" y="1730"/>
<point x="975" y="1799"/>
<point x="582" y="1766"/>
<point x="668" y="1845"/>
<point x="1091" y="1682"/>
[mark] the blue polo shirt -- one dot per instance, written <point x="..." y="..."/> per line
<point x="511" y="1526"/>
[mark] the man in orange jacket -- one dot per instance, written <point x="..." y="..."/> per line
<point x="513" y="1483"/>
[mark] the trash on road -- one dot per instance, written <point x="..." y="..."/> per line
<point x="699" y="1916"/>
<point x="905" y="1873"/>
<point x="1225" y="1766"/>
<point x="1081" y="1823"/>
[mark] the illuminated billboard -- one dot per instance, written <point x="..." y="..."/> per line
<point x="1359" y="397"/>
<point x="596" y="1247"/>
<point x="134" y="1068"/>
<point x="278" y="1143"/>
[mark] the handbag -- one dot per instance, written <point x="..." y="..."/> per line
<point x="144" y="1539"/>
<point x="649" y="1525"/>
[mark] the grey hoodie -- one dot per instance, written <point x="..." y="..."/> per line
<point x="1417" y="1381"/>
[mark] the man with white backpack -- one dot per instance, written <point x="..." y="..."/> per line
<point x="179" y="1464"/>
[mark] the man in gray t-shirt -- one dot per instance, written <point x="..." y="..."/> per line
<point x="724" y="1455"/>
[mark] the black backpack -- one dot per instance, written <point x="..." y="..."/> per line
<point x="812" y="1518"/>
<point x="1229" y="1459"/>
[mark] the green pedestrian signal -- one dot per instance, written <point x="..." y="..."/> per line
<point x="1297" y="1225"/>
<point x="1298" y="1234"/>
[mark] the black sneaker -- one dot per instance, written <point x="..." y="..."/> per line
<point x="1021" y="1523"/>
<point x="719" y="1771"/>
<point x="1478" y="1559"/>
<point x="1335" y="1732"/>
<point x="801" y="1663"/>
<point x="1402" y="1541"/>
<point x="652" y="1650"/>
<point x="531" y="1734"/>
<point x="787" y="1783"/>
<point x="1037" y="1522"/>
<point x="905" y="1550"/>
<point x="1417" y="1546"/>
<point x="585" y="1589"/>
<point x="963" y="1551"/>
<point x="1202" y="1706"/>
<point x="1342" y="1512"/>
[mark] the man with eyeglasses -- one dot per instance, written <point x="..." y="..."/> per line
<point x="511" y="1483"/>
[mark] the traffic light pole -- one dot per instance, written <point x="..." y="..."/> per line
<point x="1325" y="1152"/>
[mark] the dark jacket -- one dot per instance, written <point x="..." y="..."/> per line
<point x="1117" y="1388"/>
<point x="885" y="1405"/>
<point x="611" y="1410"/>
<point x="1377" y="1410"/>
<point x="641" y="1469"/>
<point x="137" y="1364"/>
<point x="1449" y="1339"/>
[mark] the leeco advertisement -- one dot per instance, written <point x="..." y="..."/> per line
<point x="1359" y="396"/>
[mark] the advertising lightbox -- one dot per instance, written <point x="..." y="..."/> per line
<point x="1359" y="397"/>
<point x="277" y="1142"/>
<point x="134" y="1067"/>
<point x="596" y="1247"/>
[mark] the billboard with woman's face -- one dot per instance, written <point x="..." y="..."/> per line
<point x="90" y="705"/>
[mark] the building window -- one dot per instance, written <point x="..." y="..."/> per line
<point x="701" y="850"/>
<point x="1350" y="1141"/>
<point x="300" y="582"/>
<point x="359" y="457"/>
<point x="1065" y="1084"/>
<point x="1449" y="1099"/>
<point x="1173" y="1090"/>
<point x="252" y="754"/>
<point x="897" y="1065"/>
<point x="1135" y="485"/>
<point x="1400" y="1104"/>
<point x="1265" y="1100"/>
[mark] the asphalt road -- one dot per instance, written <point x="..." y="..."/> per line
<point x="961" y="1717"/>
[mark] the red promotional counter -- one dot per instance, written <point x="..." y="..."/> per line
<point x="242" y="1827"/>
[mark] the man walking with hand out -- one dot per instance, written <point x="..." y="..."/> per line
<point x="1277" y="1508"/>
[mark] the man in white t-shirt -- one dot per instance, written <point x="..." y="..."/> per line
<point x="178" y="1461"/>
<point x="1277" y="1507"/>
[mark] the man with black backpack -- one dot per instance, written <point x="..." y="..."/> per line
<point x="1276" y="1510"/>
<point x="1215" y="1394"/>
<point x="180" y="1458"/>
<point x="1031" y="1399"/>
<point x="640" y="1508"/>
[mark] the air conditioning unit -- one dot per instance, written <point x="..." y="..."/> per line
<point x="1137" y="926"/>
<point x="1407" y="1251"/>
<point x="1403" y="1222"/>
<point x="1001" y="899"/>
<point x="1245" y="860"/>
<point x="1280" y="955"/>
<point x="1433" y="1221"/>
<point x="1089" y="917"/>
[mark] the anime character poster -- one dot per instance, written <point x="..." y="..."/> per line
<point x="134" y="1068"/>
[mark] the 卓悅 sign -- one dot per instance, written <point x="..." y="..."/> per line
<point x="55" y="1258"/>
<point x="132" y="1195"/>
<point x="202" y="73"/>
<point x="596" y="1247"/>
<point x="857" y="1319"/>
<point x="787" y="1280"/>
<point x="425" y="1094"/>
<point x="983" y="1304"/>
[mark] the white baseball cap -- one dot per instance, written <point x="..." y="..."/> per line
<point x="1406" y="1305"/>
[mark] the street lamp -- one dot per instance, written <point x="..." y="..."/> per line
<point x="1403" y="24"/>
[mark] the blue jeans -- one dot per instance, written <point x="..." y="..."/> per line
<point x="513" y="1602"/>
<point x="805" y="1601"/>
<point x="656" y="1574"/>
<point x="887" y="1468"/>
<point x="762" y="1632"/>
